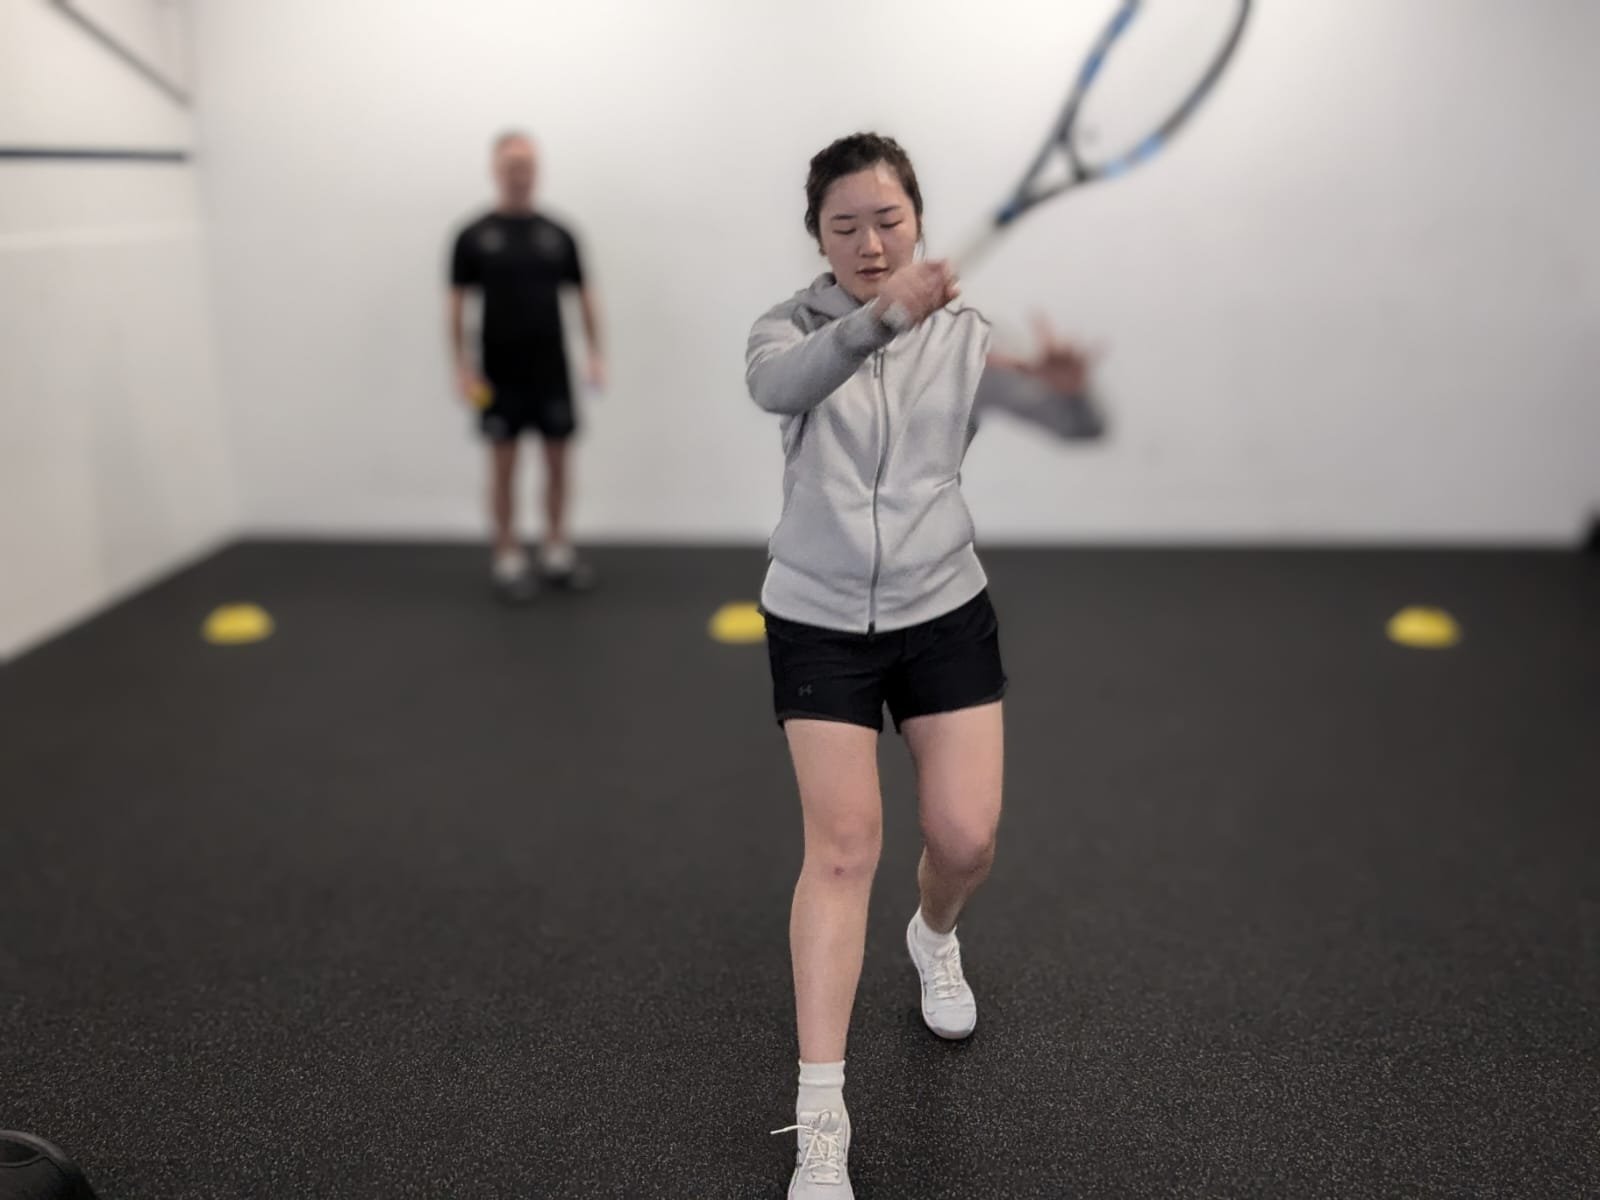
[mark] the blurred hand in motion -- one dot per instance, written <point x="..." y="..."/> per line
<point x="1062" y="366"/>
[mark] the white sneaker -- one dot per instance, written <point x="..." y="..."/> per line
<point x="821" y="1168"/>
<point x="509" y="565"/>
<point x="948" y="1006"/>
<point x="557" y="558"/>
<point x="562" y="568"/>
<point x="513" y="576"/>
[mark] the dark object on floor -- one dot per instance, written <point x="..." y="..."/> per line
<point x="1592" y="543"/>
<point x="32" y="1169"/>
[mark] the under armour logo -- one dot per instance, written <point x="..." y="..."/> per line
<point x="805" y="689"/>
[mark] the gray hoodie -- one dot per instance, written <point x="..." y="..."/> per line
<point x="875" y="534"/>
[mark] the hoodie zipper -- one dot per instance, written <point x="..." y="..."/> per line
<point x="883" y="459"/>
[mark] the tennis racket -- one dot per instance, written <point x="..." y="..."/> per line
<point x="1144" y="78"/>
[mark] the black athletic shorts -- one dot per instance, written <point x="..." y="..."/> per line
<point x="949" y="663"/>
<point x="515" y="409"/>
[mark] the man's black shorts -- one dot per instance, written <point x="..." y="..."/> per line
<point x="514" y="409"/>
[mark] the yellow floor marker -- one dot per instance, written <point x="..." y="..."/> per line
<point x="236" y="625"/>
<point x="738" y="624"/>
<point x="1424" y="628"/>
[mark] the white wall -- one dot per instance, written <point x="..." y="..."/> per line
<point x="1358" y="300"/>
<point x="113" y="461"/>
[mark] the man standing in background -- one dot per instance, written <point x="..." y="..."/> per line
<point x="519" y="259"/>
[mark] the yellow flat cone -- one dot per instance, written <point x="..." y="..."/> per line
<point x="738" y="624"/>
<point x="1424" y="628"/>
<point x="236" y="625"/>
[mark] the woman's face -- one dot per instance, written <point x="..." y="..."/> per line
<point x="869" y="229"/>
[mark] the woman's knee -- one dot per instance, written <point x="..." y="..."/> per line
<point x="961" y="849"/>
<point x="844" y="849"/>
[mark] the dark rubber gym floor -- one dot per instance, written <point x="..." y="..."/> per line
<point x="424" y="897"/>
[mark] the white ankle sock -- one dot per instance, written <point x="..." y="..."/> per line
<point x="821" y="1087"/>
<point x="927" y="938"/>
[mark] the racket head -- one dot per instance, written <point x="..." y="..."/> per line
<point x="1151" y="67"/>
<point x="1160" y="62"/>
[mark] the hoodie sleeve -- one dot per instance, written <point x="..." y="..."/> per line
<point x="790" y="371"/>
<point x="1070" y="418"/>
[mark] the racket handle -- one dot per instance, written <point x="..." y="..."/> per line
<point x="976" y="247"/>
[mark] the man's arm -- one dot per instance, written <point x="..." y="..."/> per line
<point x="591" y="333"/>
<point x="469" y="383"/>
<point x="464" y="275"/>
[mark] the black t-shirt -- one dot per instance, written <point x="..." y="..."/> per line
<point x="520" y="263"/>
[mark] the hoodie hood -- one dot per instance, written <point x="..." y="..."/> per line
<point x="827" y="298"/>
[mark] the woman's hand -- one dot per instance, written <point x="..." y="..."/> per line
<point x="1061" y="366"/>
<point x="919" y="290"/>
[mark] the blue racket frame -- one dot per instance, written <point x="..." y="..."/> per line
<point x="1025" y="196"/>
